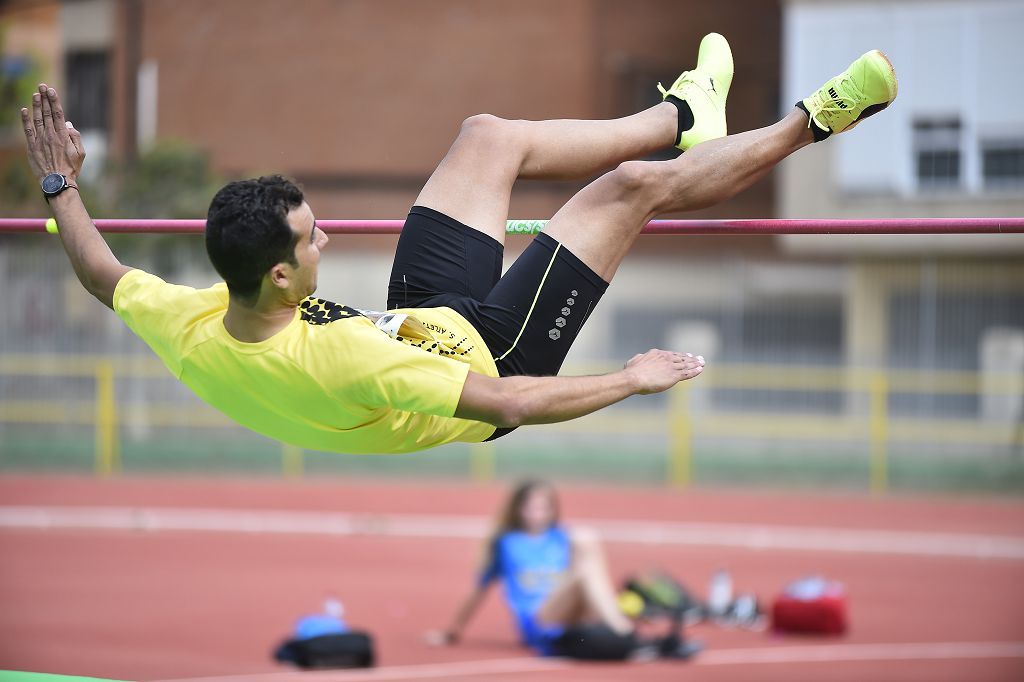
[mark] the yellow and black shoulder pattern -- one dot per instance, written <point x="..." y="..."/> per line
<point x="318" y="311"/>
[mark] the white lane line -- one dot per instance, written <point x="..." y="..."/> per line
<point x="862" y="652"/>
<point x="501" y="666"/>
<point x="754" y="537"/>
<point x="826" y="653"/>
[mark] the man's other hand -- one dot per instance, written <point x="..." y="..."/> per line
<point x="54" y="146"/>
<point x="659" y="370"/>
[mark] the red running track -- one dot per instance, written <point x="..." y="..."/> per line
<point x="164" y="604"/>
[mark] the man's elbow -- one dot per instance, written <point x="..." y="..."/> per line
<point x="498" y="402"/>
<point x="90" y="285"/>
<point x="97" y="290"/>
<point x="103" y="294"/>
<point x="509" y="417"/>
<point x="510" y="411"/>
<point x="101" y="282"/>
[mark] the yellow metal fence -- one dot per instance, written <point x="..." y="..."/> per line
<point x="681" y="424"/>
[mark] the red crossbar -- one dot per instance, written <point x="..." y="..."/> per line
<point x="692" y="227"/>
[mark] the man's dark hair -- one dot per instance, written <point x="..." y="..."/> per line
<point x="247" y="231"/>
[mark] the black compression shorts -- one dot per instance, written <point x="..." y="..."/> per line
<point x="528" y="318"/>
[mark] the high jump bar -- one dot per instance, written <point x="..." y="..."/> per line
<point x="691" y="227"/>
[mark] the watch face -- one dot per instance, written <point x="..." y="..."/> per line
<point x="52" y="183"/>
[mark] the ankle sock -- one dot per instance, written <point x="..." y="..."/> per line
<point x="685" y="116"/>
<point x="818" y="132"/>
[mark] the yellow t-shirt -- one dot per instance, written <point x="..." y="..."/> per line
<point x="330" y="380"/>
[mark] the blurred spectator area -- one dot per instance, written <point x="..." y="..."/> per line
<point x="360" y="99"/>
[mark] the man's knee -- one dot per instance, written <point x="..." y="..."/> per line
<point x="496" y="139"/>
<point x="486" y="129"/>
<point x="638" y="181"/>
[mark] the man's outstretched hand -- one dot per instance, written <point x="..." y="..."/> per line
<point x="659" y="370"/>
<point x="54" y="146"/>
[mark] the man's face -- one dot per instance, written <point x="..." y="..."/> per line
<point x="302" y="277"/>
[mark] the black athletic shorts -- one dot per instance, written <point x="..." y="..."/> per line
<point x="529" y="318"/>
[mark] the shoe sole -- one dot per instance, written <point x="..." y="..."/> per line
<point x="726" y="51"/>
<point x="894" y="87"/>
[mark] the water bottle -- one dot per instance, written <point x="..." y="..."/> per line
<point x="720" y="592"/>
<point x="334" y="608"/>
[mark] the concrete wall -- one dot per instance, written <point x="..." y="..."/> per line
<point x="953" y="59"/>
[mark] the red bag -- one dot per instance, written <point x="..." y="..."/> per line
<point x="811" y="606"/>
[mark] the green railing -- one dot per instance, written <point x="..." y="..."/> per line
<point x="867" y="391"/>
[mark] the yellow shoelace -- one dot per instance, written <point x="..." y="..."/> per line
<point x="684" y="77"/>
<point x="848" y="93"/>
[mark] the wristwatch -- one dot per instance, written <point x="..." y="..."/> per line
<point x="55" y="183"/>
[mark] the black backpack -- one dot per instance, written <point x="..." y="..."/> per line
<point x="345" y="650"/>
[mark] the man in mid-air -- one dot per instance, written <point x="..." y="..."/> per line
<point x="463" y="353"/>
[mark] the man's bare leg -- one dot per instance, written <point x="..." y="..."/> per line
<point x="588" y="594"/>
<point x="600" y="223"/>
<point x="474" y="180"/>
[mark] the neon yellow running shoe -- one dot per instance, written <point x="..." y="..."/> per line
<point x="865" y="88"/>
<point x="704" y="89"/>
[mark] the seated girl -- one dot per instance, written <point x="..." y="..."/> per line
<point x="557" y="586"/>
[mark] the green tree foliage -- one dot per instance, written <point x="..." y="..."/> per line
<point x="19" y="75"/>
<point x="172" y="179"/>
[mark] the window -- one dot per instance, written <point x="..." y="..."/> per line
<point x="88" y="92"/>
<point x="1002" y="162"/>
<point x="937" y="153"/>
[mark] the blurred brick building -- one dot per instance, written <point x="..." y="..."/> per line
<point x="359" y="100"/>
